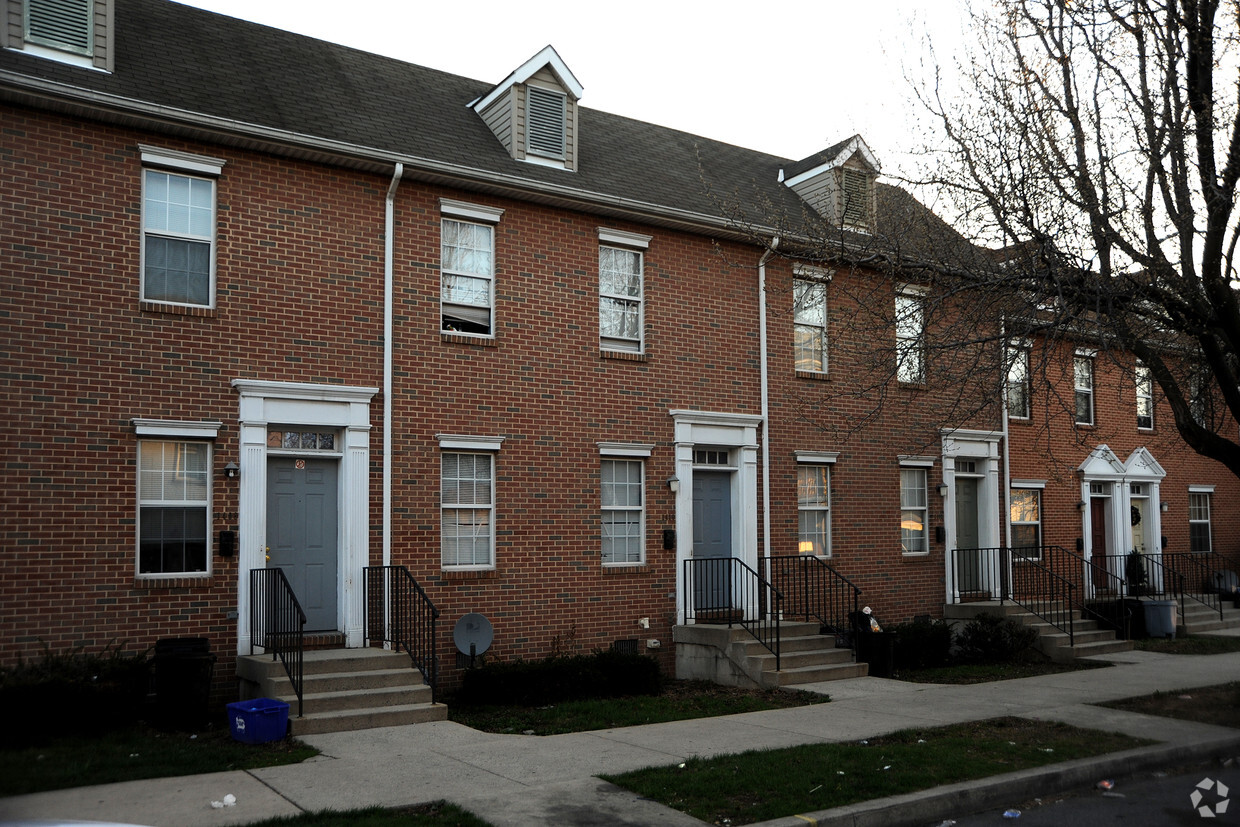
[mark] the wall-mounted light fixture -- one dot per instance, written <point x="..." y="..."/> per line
<point x="1164" y="506"/>
<point x="231" y="470"/>
<point x="1080" y="505"/>
<point x="942" y="489"/>
<point x="673" y="484"/>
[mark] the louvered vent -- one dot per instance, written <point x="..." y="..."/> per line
<point x="545" y="122"/>
<point x="61" y="24"/>
<point x="856" y="198"/>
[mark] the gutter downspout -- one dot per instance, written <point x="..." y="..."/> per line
<point x="1006" y="517"/>
<point x="766" y="423"/>
<point x="389" y="231"/>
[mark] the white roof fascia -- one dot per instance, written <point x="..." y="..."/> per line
<point x="853" y="147"/>
<point x="547" y="57"/>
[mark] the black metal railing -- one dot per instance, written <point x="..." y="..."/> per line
<point x="1201" y="578"/>
<point x="399" y="612"/>
<point x="1145" y="575"/>
<point x="278" y="624"/>
<point x="725" y="590"/>
<point x="813" y="590"/>
<point x="1018" y="575"/>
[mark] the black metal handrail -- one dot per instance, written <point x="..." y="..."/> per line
<point x="1202" y="569"/>
<point x="1146" y="575"/>
<point x="813" y="589"/>
<point x="1021" y="576"/>
<point x="400" y="613"/>
<point x="726" y="590"/>
<point x="278" y="624"/>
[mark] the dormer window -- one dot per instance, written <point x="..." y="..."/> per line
<point x="533" y="112"/>
<point x="76" y="32"/>
<point x="60" y="24"/>
<point x="545" y="129"/>
<point x="855" y="188"/>
<point x="838" y="183"/>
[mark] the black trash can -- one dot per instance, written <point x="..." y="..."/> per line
<point x="183" y="670"/>
<point x="878" y="650"/>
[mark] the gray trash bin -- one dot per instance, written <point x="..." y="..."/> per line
<point x="1160" y="618"/>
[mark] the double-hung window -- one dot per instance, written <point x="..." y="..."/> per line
<point x="1083" y="384"/>
<point x="467" y="268"/>
<point x="814" y="504"/>
<point x="911" y="336"/>
<point x="467" y="502"/>
<point x="622" y="499"/>
<point x="178" y="227"/>
<point x="1018" y="385"/>
<point x="914" y="511"/>
<point x="1199" y="539"/>
<point x="1144" y="383"/>
<point x="809" y="315"/>
<point x="621" y="261"/>
<point x="1026" y="521"/>
<point x="174" y="497"/>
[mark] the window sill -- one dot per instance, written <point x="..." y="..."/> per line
<point x="468" y="339"/>
<point x="185" y="581"/>
<point x="622" y="355"/>
<point x="176" y="309"/>
<point x="452" y="575"/>
<point x="912" y="386"/>
<point x="817" y="375"/>
<point x="915" y="555"/>
<point x="626" y="568"/>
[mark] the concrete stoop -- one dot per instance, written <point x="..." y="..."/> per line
<point x="733" y="658"/>
<point x="1197" y="618"/>
<point x="1088" y="638"/>
<point x="345" y="689"/>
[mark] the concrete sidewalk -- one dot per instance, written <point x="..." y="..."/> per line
<point x="526" y="780"/>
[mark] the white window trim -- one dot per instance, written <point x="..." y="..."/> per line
<point x="633" y="242"/>
<point x="802" y="274"/>
<point x="469" y="212"/>
<point x="462" y="445"/>
<point x="1028" y="485"/>
<point x="825" y="459"/>
<point x="1139" y="395"/>
<point x="619" y="454"/>
<point x="191" y="166"/>
<point x="1076" y="388"/>
<point x="918" y="292"/>
<point x="1025" y="349"/>
<point x="1201" y="489"/>
<point x="176" y="429"/>
<point x="1208" y="522"/>
<point x="152" y="430"/>
<point x="908" y="462"/>
<point x="625" y="449"/>
<point x="183" y="161"/>
<point x="454" y="442"/>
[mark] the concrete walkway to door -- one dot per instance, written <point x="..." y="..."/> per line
<point x="529" y="780"/>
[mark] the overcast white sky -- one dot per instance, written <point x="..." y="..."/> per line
<point x="788" y="77"/>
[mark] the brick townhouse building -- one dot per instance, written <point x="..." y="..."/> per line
<point x="271" y="302"/>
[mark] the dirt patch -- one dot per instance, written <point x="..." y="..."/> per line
<point x="1218" y="705"/>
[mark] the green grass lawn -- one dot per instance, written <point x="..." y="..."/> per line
<point x="761" y="785"/>
<point x="438" y="814"/>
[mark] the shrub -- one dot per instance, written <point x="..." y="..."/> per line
<point x="990" y="638"/>
<point x="922" y="644"/>
<point x="73" y="692"/>
<point x="604" y="674"/>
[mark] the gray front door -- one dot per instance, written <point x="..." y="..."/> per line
<point x="302" y="522"/>
<point x="968" y="559"/>
<point x="712" y="541"/>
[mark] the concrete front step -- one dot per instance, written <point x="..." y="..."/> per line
<point x="1088" y="638"/>
<point x="345" y="689"/>
<point x="732" y="656"/>
<point x="315" y="723"/>
<point x="790" y="678"/>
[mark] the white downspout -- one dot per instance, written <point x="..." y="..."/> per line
<point x="766" y="424"/>
<point x="1006" y="516"/>
<point x="389" y="232"/>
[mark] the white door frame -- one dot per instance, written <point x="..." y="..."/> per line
<point x="1103" y="466"/>
<point x="738" y="433"/>
<point x="343" y="407"/>
<point x="982" y="449"/>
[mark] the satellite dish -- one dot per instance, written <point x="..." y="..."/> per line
<point x="473" y="634"/>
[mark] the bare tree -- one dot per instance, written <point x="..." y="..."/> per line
<point x="1097" y="143"/>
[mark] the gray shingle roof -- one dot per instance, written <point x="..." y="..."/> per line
<point x="253" y="75"/>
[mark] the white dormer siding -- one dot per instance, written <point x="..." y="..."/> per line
<point x="533" y="113"/>
<point x="840" y="185"/>
<point x="77" y="32"/>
